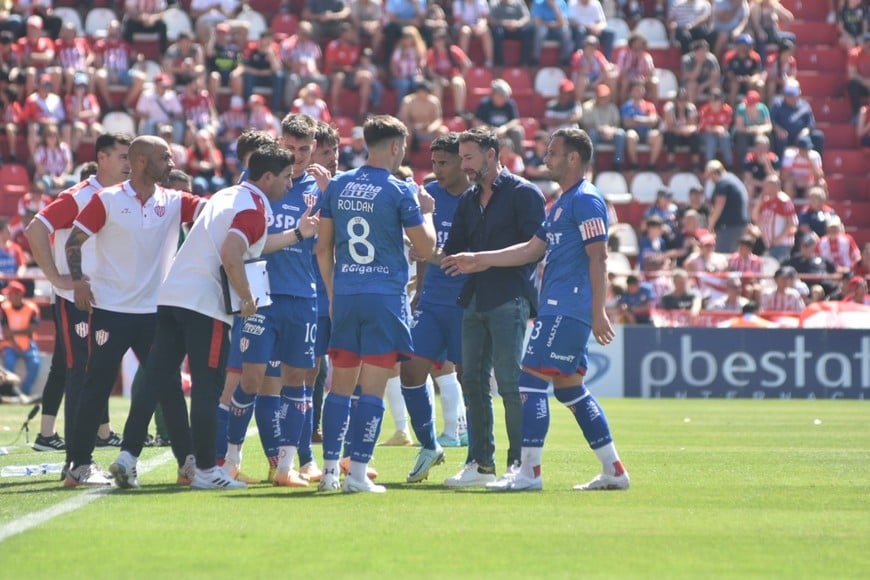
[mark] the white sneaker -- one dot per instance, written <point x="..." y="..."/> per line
<point x="426" y="460"/>
<point x="215" y="478"/>
<point x="329" y="481"/>
<point x="353" y="485"/>
<point x="187" y="471"/>
<point x="524" y="483"/>
<point x="470" y="476"/>
<point x="88" y="474"/>
<point x="124" y="471"/>
<point x="504" y="482"/>
<point x="604" y="482"/>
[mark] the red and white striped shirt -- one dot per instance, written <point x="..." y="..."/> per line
<point x="134" y="243"/>
<point x="264" y="120"/>
<point x="637" y="67"/>
<point x="840" y="249"/>
<point x="301" y="56"/>
<point x="318" y="110"/>
<point x="789" y="300"/>
<point x="59" y="216"/>
<point x="53" y="160"/>
<point x="750" y="263"/>
<point x="197" y="108"/>
<point x="193" y="281"/>
<point x="776" y="215"/>
<point x="406" y="63"/>
<point x="72" y="55"/>
<point x="146" y="6"/>
<point x="115" y="53"/>
<point x="75" y="106"/>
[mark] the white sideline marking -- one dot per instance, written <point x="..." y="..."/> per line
<point x="34" y="519"/>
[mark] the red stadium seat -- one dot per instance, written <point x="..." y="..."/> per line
<point x="456" y="124"/>
<point x="818" y="32"/>
<point x="839" y="136"/>
<point x="830" y="110"/>
<point x="267" y="8"/>
<point x="530" y="127"/>
<point x="846" y="161"/>
<point x="519" y="80"/>
<point x="478" y="80"/>
<point x="14" y="182"/>
<point x="808" y="10"/>
<point x="285" y="24"/>
<point x="821" y="85"/>
<point x="344" y="125"/>
<point x="821" y="58"/>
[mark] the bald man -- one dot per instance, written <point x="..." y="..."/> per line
<point x="135" y="227"/>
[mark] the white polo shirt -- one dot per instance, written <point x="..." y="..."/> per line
<point x="134" y="243"/>
<point x="59" y="216"/>
<point x="194" y="279"/>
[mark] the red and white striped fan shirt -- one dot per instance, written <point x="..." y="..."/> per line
<point x="53" y="160"/>
<point x="789" y="300"/>
<point x="116" y="54"/>
<point x="147" y="6"/>
<point x="750" y="263"/>
<point x="777" y="214"/>
<point x="841" y="250"/>
<point x="72" y="55"/>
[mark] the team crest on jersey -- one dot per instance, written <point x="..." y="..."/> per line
<point x="160" y="210"/>
<point x="81" y="329"/>
<point x="102" y="337"/>
<point x="558" y="214"/>
<point x="244" y="344"/>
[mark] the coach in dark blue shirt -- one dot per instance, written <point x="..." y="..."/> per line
<point x="500" y="210"/>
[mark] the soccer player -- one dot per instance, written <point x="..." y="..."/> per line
<point x="286" y="330"/>
<point x="436" y="329"/>
<point x="71" y="324"/>
<point x="135" y="227"/>
<point x="248" y="142"/>
<point x="361" y="255"/>
<point x="573" y="243"/>
<point x="193" y="321"/>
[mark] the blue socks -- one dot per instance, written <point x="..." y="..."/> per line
<point x="348" y="440"/>
<point x="422" y="414"/>
<point x="336" y="413"/>
<point x="220" y="442"/>
<point x="240" y="412"/>
<point x="269" y="415"/>
<point x="588" y="414"/>
<point x="293" y="415"/>
<point x="304" y="447"/>
<point x="536" y="409"/>
<point x="366" y="427"/>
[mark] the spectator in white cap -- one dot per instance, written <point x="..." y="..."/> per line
<point x="792" y="117"/>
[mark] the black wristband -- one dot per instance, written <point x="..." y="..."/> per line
<point x="298" y="233"/>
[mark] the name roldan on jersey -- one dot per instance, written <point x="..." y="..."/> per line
<point x="358" y="197"/>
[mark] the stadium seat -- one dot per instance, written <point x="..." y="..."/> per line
<point x="839" y="136"/>
<point x="668" y="84"/>
<point x="808" y="9"/>
<point x="70" y="15"/>
<point x="268" y="8"/>
<point x="519" y="80"/>
<point x="820" y="58"/>
<point x="821" y="85"/>
<point x="150" y="68"/>
<point x="547" y="81"/>
<point x="613" y="187"/>
<point x="654" y="31"/>
<point x="530" y="127"/>
<point x="455" y="124"/>
<point x="830" y="110"/>
<point x="177" y="21"/>
<point x="850" y="162"/>
<point x="645" y="186"/>
<point x="119" y="122"/>
<point x="478" y="80"/>
<point x="256" y="23"/>
<point x="14" y="182"/>
<point x="628" y="244"/>
<point x="681" y="183"/>
<point x="285" y="24"/>
<point x="620" y="31"/>
<point x="618" y="264"/>
<point x="98" y="19"/>
<point x="345" y="126"/>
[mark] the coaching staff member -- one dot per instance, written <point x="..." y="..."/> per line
<point x="500" y="210"/>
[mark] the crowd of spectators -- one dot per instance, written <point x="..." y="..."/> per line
<point x="736" y="119"/>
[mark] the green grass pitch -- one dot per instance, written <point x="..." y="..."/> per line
<point x="720" y="489"/>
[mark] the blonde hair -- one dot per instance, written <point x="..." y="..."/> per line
<point x="419" y="44"/>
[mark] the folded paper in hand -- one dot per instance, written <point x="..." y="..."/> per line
<point x="258" y="279"/>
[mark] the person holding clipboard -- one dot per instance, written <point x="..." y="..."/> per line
<point x="193" y="320"/>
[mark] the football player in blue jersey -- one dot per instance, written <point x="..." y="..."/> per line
<point x="286" y="330"/>
<point x="436" y="328"/>
<point x="573" y="244"/>
<point x="361" y="255"/>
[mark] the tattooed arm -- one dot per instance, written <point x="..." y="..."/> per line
<point x="84" y="298"/>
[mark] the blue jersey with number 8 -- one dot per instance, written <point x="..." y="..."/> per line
<point x="369" y="208"/>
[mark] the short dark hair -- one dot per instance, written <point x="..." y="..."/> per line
<point x="299" y="125"/>
<point x="177" y="175"/>
<point x="485" y="138"/>
<point x="449" y="143"/>
<point x="576" y="140"/>
<point x="326" y="134"/>
<point x="271" y="158"/>
<point x="250" y="140"/>
<point x="107" y="141"/>
<point x="382" y="128"/>
<point x="88" y="169"/>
